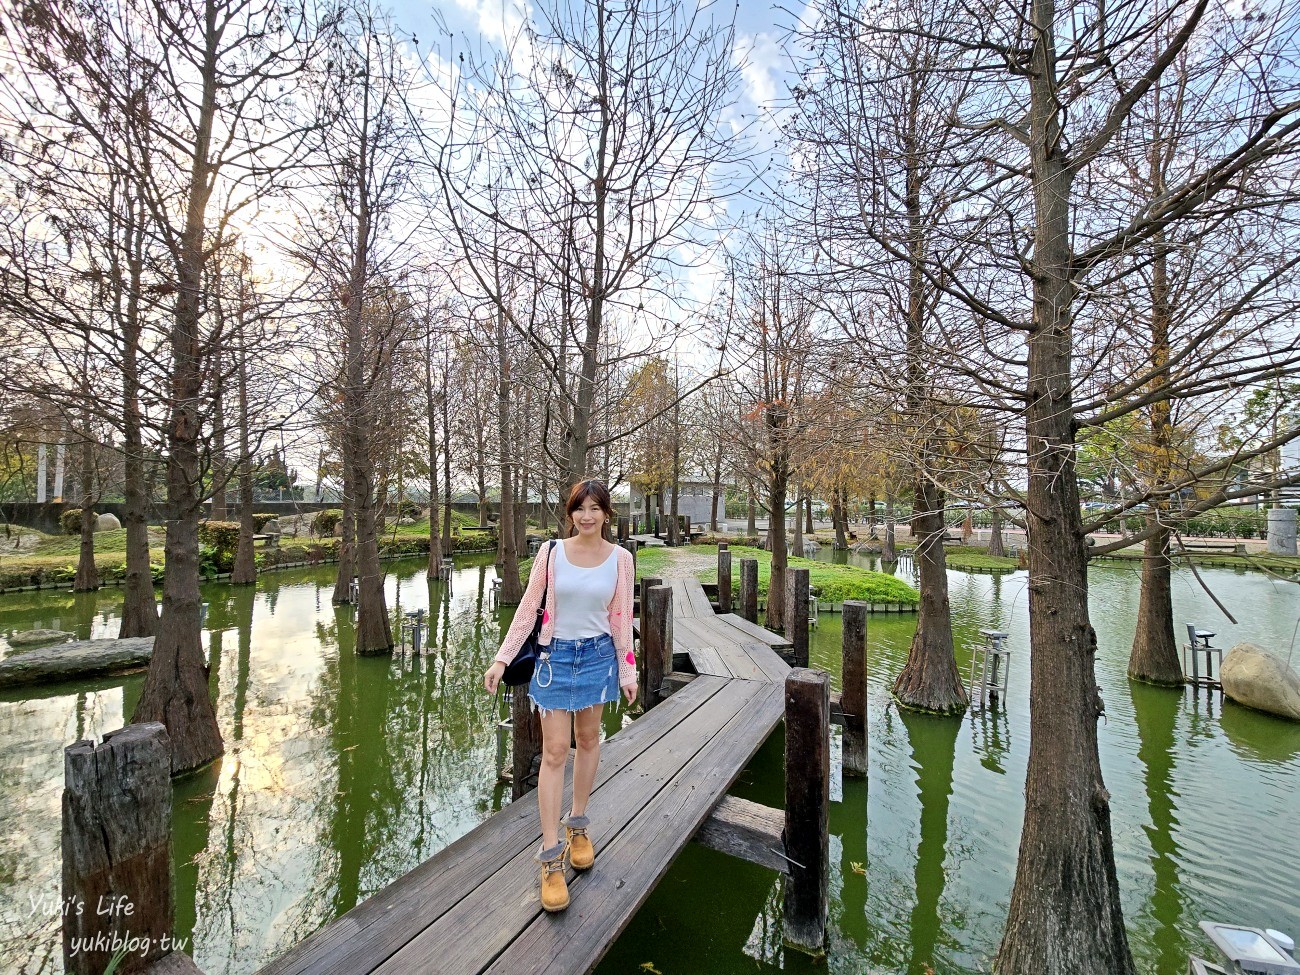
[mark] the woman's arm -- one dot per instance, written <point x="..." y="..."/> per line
<point x="620" y="618"/>
<point x="526" y="614"/>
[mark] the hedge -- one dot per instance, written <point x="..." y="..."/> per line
<point x="326" y="521"/>
<point x="70" y="521"/>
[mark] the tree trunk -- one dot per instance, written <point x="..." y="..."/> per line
<point x="838" y="516"/>
<point x="1065" y="916"/>
<point x="995" y="533"/>
<point x="797" y="547"/>
<point x="929" y="680"/>
<point x="434" y="569"/>
<point x="446" y="467"/>
<point x="244" y="572"/>
<point x="808" y="512"/>
<point x="347" y="537"/>
<point x="888" y="551"/>
<point x="1154" y="658"/>
<point x="775" y="419"/>
<point x="175" y="689"/>
<point x="751" y="519"/>
<point x="220" y="511"/>
<point x="139" y="608"/>
<point x="512" y="590"/>
<point x="87" y="579"/>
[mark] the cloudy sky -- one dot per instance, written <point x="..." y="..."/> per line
<point x="760" y="29"/>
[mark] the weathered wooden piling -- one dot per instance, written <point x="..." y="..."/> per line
<point x="796" y="615"/>
<point x="724" y="578"/>
<point x="631" y="545"/>
<point x="657" y="645"/>
<point x="622" y="528"/>
<point x="853" y="682"/>
<point x="807" y="807"/>
<point x="749" y="589"/>
<point x="646" y="583"/>
<point x="526" y="743"/>
<point x="117" y="815"/>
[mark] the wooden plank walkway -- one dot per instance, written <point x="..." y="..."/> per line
<point x="473" y="907"/>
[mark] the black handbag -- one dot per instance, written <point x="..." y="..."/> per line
<point x="520" y="670"/>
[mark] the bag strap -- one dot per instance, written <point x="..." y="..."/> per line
<point x="546" y="576"/>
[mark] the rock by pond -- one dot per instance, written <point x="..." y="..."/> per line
<point x="68" y="661"/>
<point x="33" y="638"/>
<point x="1256" y="678"/>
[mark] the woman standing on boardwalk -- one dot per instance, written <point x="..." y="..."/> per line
<point x="586" y="644"/>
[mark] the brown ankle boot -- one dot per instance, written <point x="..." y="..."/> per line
<point x="555" y="892"/>
<point x="581" y="853"/>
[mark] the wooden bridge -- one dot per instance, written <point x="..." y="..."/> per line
<point x="663" y="781"/>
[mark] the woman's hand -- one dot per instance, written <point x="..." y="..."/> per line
<point x="492" y="676"/>
<point x="629" y="692"/>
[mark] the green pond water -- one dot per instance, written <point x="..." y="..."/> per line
<point x="341" y="773"/>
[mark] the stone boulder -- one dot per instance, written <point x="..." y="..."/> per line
<point x="32" y="638"/>
<point x="272" y="527"/>
<point x="107" y="522"/>
<point x="1256" y="678"/>
<point x="810" y="548"/>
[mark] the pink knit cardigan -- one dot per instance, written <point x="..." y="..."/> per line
<point x="620" y="613"/>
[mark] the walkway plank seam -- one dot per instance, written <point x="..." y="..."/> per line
<point x="473" y="907"/>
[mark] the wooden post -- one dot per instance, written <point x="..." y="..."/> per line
<point x="657" y="645"/>
<point x="631" y="546"/>
<point x="724" y="578"/>
<point x="622" y="528"/>
<point x="749" y="589"/>
<point x="853" y="683"/>
<point x="807" y="807"/>
<point x="117" y="816"/>
<point x="686" y="527"/>
<point x="647" y="583"/>
<point x="526" y="743"/>
<point x="796" y="614"/>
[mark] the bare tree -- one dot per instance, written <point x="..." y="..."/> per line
<point x="554" y="149"/>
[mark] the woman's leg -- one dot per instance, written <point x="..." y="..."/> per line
<point x="556" y="725"/>
<point x="586" y="731"/>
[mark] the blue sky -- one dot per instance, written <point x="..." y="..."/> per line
<point x="760" y="28"/>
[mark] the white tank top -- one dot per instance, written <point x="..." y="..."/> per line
<point x="582" y="596"/>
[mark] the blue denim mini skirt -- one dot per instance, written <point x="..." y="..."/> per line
<point x="577" y="674"/>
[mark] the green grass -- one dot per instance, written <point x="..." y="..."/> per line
<point x="834" y="583"/>
<point x="968" y="557"/>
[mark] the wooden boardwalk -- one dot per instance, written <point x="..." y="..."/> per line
<point x="473" y="907"/>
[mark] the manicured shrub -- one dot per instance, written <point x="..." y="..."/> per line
<point x="326" y="521"/>
<point x="222" y="538"/>
<point x="70" y="521"/>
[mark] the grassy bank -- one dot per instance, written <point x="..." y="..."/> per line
<point x="973" y="559"/>
<point x="834" y="583"/>
<point x="45" y="560"/>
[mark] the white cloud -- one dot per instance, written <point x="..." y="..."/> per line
<point x="759" y="57"/>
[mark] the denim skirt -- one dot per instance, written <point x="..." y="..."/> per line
<point x="576" y="674"/>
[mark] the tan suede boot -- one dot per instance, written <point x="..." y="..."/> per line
<point x="555" y="892"/>
<point x="581" y="853"/>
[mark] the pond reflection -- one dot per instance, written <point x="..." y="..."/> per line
<point x="343" y="772"/>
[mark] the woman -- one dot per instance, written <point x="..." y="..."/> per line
<point x="586" y="644"/>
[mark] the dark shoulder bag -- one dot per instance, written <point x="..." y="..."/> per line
<point x="520" y="670"/>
